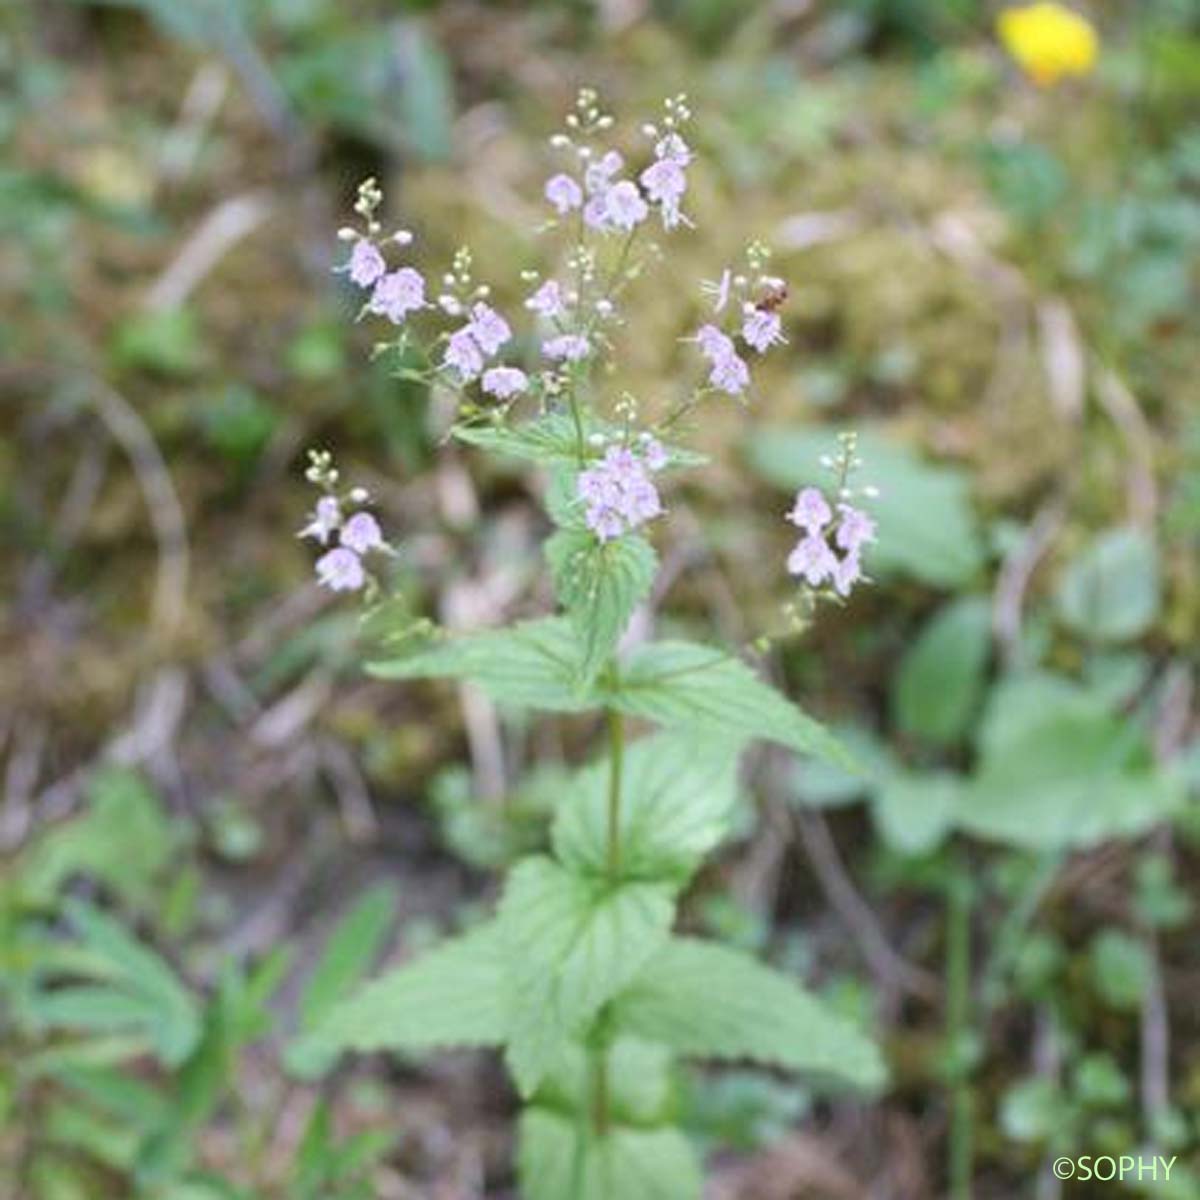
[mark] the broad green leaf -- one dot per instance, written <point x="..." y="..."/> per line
<point x="352" y="947"/>
<point x="926" y="526"/>
<point x="1057" y="770"/>
<point x="677" y="797"/>
<point x="704" y="999"/>
<point x="915" y="811"/>
<point x="599" y="584"/>
<point x="574" y="943"/>
<point x="940" y="679"/>
<point x="712" y="693"/>
<point x="1111" y="592"/>
<point x="456" y="995"/>
<point x="559" y="1160"/>
<point x="425" y="91"/>
<point x="532" y="665"/>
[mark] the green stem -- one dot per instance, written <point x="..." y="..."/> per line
<point x="958" y="1017"/>
<point x="600" y="1091"/>
<point x="616" y="758"/>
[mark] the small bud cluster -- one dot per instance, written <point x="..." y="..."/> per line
<point x="814" y="559"/>
<point x="394" y="294"/>
<point x="341" y="568"/>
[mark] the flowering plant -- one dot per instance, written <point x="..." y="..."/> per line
<point x="578" y="976"/>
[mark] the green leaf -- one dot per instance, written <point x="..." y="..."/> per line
<point x="926" y="526"/>
<point x="574" y="943"/>
<point x="548" y="439"/>
<point x="1058" y="771"/>
<point x="599" y="584"/>
<point x="938" y="685"/>
<point x="122" y="812"/>
<point x="531" y="665"/>
<point x="426" y="91"/>
<point x="640" y="1087"/>
<point x="456" y="995"/>
<point x="558" y="1161"/>
<point x="916" y="811"/>
<point x="677" y="797"/>
<point x="703" y="999"/>
<point x="137" y="982"/>
<point x="352" y="947"/>
<point x="1111" y="592"/>
<point x="710" y="692"/>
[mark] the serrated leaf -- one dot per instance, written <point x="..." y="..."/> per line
<point x="547" y="439"/>
<point x="574" y="944"/>
<point x="704" y="999"/>
<point x="599" y="584"/>
<point x="349" y="951"/>
<point x="559" y="1160"/>
<point x="926" y="525"/>
<point x="677" y="797"/>
<point x="531" y="665"/>
<point x="1111" y="592"/>
<point x="689" y="686"/>
<point x="940" y="679"/>
<point x="456" y="995"/>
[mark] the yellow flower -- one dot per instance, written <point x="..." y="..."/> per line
<point x="1049" y="41"/>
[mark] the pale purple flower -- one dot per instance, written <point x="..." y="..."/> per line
<point x="398" y="294"/>
<point x="665" y="184"/>
<point x="564" y="194"/>
<point x="570" y="347"/>
<point x="366" y="264"/>
<point x="714" y="344"/>
<point x="325" y="518"/>
<point x="855" y="529"/>
<point x="812" y="559"/>
<point x="361" y="533"/>
<point x="811" y="510"/>
<point x="624" y="206"/>
<point x="341" y="570"/>
<point x="489" y="329"/>
<point x="595" y="212"/>
<point x="503" y="382"/>
<point x="599" y="174"/>
<point x="719" y="291"/>
<point x="730" y="375"/>
<point x="673" y="148"/>
<point x="605" y="523"/>
<point x="463" y="354"/>
<point x="548" y="300"/>
<point x="762" y="329"/>
<point x="846" y="574"/>
<point x="655" y="454"/>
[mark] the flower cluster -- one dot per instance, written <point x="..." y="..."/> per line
<point x="814" y="559"/>
<point x="1050" y="41"/>
<point x="341" y="568"/>
<point x="610" y="202"/>
<point x="618" y="492"/>
<point x="394" y="294"/>
<point x="756" y="298"/>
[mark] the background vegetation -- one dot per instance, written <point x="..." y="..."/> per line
<point x="213" y="826"/>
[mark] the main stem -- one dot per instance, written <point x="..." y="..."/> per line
<point x="616" y="759"/>
<point x="958" y="1019"/>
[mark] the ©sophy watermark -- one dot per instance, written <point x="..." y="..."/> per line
<point x="1105" y="1167"/>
